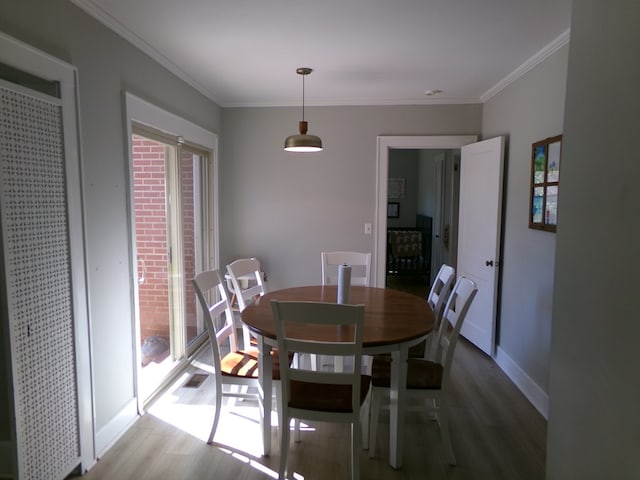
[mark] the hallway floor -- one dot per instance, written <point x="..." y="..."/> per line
<point x="416" y="284"/>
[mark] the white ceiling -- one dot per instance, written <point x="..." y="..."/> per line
<point x="363" y="52"/>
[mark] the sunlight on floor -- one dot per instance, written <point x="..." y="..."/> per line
<point x="239" y="425"/>
<point x="238" y="433"/>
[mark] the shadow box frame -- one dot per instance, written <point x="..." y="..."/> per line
<point x="545" y="184"/>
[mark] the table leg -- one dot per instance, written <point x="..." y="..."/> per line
<point x="265" y="391"/>
<point x="397" y="406"/>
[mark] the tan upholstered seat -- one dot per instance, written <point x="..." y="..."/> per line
<point x="243" y="363"/>
<point x="326" y="398"/>
<point x="420" y="373"/>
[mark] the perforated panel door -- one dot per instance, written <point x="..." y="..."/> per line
<point x="35" y="227"/>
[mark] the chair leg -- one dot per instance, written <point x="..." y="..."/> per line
<point x="376" y="400"/>
<point x="432" y="408"/>
<point x="367" y="364"/>
<point x="338" y="364"/>
<point x="296" y="426"/>
<point x="284" y="448"/>
<point x="297" y="361"/>
<point x="314" y="362"/>
<point x="277" y="390"/>
<point x="365" y="414"/>
<point x="277" y="386"/>
<point x="216" y="415"/>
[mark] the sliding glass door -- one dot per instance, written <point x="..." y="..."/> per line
<point x="170" y="208"/>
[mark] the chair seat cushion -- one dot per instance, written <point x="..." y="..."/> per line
<point x="326" y="398"/>
<point x="244" y="363"/>
<point x="421" y="374"/>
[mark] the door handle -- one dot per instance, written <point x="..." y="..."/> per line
<point x="489" y="263"/>
<point x="144" y="270"/>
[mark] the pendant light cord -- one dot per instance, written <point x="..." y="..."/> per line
<point x="303" y="97"/>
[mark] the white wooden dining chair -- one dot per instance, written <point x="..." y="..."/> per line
<point x="427" y="380"/>
<point x="247" y="281"/>
<point x="359" y="261"/>
<point x="316" y="395"/>
<point x="438" y="295"/>
<point x="238" y="367"/>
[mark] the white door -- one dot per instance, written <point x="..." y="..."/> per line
<point x="42" y="270"/>
<point x="479" y="235"/>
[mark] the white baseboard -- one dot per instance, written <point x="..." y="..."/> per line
<point x="6" y="460"/>
<point x="538" y="397"/>
<point x="116" y="427"/>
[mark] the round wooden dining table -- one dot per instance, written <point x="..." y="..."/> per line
<point x="394" y="321"/>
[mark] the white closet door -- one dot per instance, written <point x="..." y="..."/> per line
<point x="43" y="268"/>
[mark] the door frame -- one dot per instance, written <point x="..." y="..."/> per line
<point x="384" y="144"/>
<point x="437" y="224"/>
<point x="142" y="112"/>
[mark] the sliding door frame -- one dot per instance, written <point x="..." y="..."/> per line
<point x="141" y="112"/>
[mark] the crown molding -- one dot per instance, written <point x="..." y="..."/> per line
<point x="107" y="20"/>
<point x="110" y="22"/>
<point x="359" y="102"/>
<point x="546" y="52"/>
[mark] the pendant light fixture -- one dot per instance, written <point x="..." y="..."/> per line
<point x="303" y="142"/>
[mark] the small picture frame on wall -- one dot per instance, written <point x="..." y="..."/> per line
<point x="393" y="210"/>
<point x="545" y="181"/>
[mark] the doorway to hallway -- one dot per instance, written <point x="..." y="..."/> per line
<point x="421" y="235"/>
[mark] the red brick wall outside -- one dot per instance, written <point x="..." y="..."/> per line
<point x="151" y="236"/>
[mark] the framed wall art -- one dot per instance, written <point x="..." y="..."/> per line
<point x="545" y="181"/>
<point x="395" y="188"/>
<point x="393" y="210"/>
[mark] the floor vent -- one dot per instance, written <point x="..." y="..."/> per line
<point x="196" y="380"/>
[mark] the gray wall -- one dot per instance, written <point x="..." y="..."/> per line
<point x="426" y="173"/>
<point x="286" y="208"/>
<point x="529" y="110"/>
<point x="107" y="65"/>
<point x="404" y="164"/>
<point x="594" y="423"/>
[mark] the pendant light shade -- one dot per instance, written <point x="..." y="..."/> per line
<point x="302" y="142"/>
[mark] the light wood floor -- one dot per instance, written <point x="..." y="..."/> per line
<point x="496" y="434"/>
